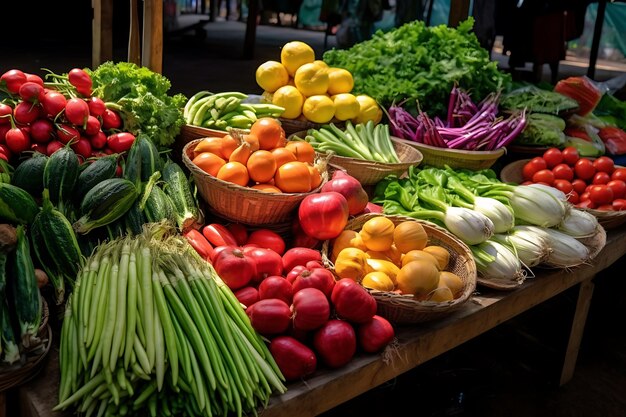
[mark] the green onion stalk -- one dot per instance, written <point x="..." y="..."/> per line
<point x="151" y="326"/>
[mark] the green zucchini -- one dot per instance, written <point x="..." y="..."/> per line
<point x="16" y="204"/>
<point x="142" y="161"/>
<point x="134" y="219"/>
<point x="29" y="174"/>
<point x="60" y="176"/>
<point x="59" y="242"/>
<point x="11" y="351"/>
<point x="6" y="171"/>
<point x="101" y="169"/>
<point x="177" y="187"/>
<point x="46" y="262"/>
<point x="106" y="202"/>
<point x="25" y="292"/>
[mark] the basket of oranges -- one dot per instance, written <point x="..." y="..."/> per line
<point x="416" y="270"/>
<point x="255" y="177"/>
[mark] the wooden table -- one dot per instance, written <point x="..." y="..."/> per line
<point x="417" y="344"/>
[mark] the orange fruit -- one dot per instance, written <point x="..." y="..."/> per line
<point x="282" y="155"/>
<point x="303" y="150"/>
<point x="234" y="172"/>
<point x="261" y="166"/>
<point x="268" y="131"/>
<point x="209" y="162"/>
<point x="268" y="188"/>
<point x="316" y="177"/>
<point x="293" y="177"/>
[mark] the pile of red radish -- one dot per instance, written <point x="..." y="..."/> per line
<point x="44" y="116"/>
<point x="587" y="183"/>
<point x="292" y="299"/>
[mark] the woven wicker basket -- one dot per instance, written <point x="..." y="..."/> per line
<point x="456" y="158"/>
<point x="291" y="126"/>
<point x="32" y="360"/>
<point x="243" y="204"/>
<point x="608" y="219"/>
<point x="370" y="172"/>
<point x="404" y="308"/>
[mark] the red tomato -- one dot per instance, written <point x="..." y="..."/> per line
<point x="579" y="185"/>
<point x="584" y="169"/>
<point x="563" y="185"/>
<point x="269" y="239"/>
<point x="619" y="204"/>
<point x="553" y="157"/>
<point x="573" y="197"/>
<point x="601" y="194"/>
<point x="619" y="174"/>
<point x="532" y="166"/>
<point x="604" y="164"/>
<point x="570" y="155"/>
<point x="545" y="175"/>
<point x="605" y="207"/>
<point x="584" y="196"/>
<point x="601" y="177"/>
<point x="586" y="204"/>
<point x="618" y="187"/>
<point x="563" y="171"/>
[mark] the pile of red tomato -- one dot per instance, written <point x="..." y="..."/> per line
<point x="587" y="183"/>
<point x="43" y="116"/>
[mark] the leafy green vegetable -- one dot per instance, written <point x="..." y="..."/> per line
<point x="417" y="62"/>
<point x="612" y="110"/>
<point x="543" y="130"/>
<point x="142" y="97"/>
<point x="537" y="100"/>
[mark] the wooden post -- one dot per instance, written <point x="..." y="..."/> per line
<point x="595" y="43"/>
<point x="102" y="32"/>
<point x="250" y="38"/>
<point x="152" y="50"/>
<point x="134" y="50"/>
<point x="3" y="404"/>
<point x="459" y="10"/>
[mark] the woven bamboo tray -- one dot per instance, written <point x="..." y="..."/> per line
<point x="608" y="219"/>
<point x="31" y="362"/>
<point x="404" y="308"/>
<point x="456" y="158"/>
<point x="370" y="172"/>
<point x="243" y="204"/>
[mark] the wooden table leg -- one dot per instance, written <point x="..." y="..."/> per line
<point x="152" y="50"/>
<point x="585" y="292"/>
<point x="3" y="404"/>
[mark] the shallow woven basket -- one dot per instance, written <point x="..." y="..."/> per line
<point x="456" y="158"/>
<point x="404" y="308"/>
<point x="243" y="204"/>
<point x="608" y="219"/>
<point x="370" y="172"/>
<point x="291" y="126"/>
<point x="31" y="361"/>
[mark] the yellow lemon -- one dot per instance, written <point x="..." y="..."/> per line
<point x="271" y="75"/>
<point x="311" y="79"/>
<point x="318" y="109"/>
<point x="294" y="54"/>
<point x="340" y="81"/>
<point x="369" y="110"/>
<point x="320" y="63"/>
<point x="346" y="106"/>
<point x="291" y="99"/>
<point x="266" y="97"/>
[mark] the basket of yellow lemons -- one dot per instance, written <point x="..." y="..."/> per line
<point x="311" y="92"/>
<point x="416" y="270"/>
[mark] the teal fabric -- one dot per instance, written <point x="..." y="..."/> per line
<point x="613" y="30"/>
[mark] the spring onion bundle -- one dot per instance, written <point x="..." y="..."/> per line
<point x="150" y="326"/>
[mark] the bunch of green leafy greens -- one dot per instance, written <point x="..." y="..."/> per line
<point x="141" y="96"/>
<point x="611" y="110"/>
<point x="422" y="63"/>
<point x="537" y="100"/>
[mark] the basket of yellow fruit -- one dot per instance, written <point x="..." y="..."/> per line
<point x="311" y="92"/>
<point x="417" y="271"/>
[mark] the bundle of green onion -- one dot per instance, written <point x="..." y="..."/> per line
<point x="152" y="330"/>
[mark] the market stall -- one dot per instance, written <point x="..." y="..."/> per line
<point x="230" y="253"/>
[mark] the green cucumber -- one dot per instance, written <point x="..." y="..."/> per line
<point x="106" y="202"/>
<point x="16" y="204"/>
<point x="29" y="174"/>
<point x="158" y="206"/>
<point x="11" y="352"/>
<point x="60" y="176"/>
<point x="101" y="169"/>
<point x="25" y="292"/>
<point x="177" y="188"/>
<point x="134" y="219"/>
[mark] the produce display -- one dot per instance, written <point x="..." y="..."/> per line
<point x="311" y="90"/>
<point x="167" y="305"/>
